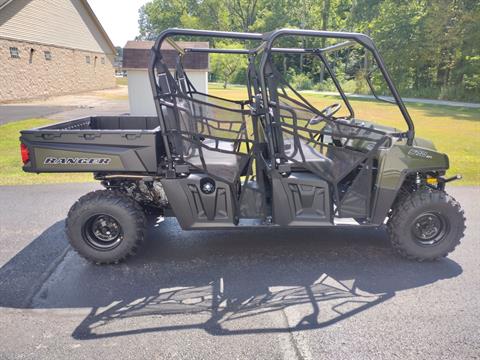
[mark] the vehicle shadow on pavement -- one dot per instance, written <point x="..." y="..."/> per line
<point x="231" y="282"/>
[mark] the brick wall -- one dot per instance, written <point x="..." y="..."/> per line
<point x="32" y="76"/>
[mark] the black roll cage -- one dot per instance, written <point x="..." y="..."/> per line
<point x="362" y="39"/>
<point x="265" y="48"/>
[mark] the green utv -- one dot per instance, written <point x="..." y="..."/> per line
<point x="271" y="160"/>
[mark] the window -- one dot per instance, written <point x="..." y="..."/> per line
<point x="103" y="61"/>
<point x="30" y="58"/>
<point x="48" y="55"/>
<point x="87" y="59"/>
<point x="14" y="53"/>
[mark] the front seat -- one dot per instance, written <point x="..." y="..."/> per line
<point x="332" y="164"/>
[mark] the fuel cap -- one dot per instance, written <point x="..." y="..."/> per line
<point x="207" y="185"/>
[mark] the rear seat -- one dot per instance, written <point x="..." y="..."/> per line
<point x="224" y="165"/>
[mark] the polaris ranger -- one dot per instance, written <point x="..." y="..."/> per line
<point x="270" y="160"/>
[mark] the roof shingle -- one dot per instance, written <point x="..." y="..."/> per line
<point x="136" y="55"/>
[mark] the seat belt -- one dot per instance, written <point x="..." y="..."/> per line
<point x="180" y="75"/>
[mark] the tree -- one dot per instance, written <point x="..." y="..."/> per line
<point x="158" y="15"/>
<point x="227" y="66"/>
<point x="243" y="13"/>
<point x="431" y="47"/>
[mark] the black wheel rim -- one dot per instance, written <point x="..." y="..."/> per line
<point x="429" y="228"/>
<point x="102" y="232"/>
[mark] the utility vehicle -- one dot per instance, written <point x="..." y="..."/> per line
<point x="270" y="160"/>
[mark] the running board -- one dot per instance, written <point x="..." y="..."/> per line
<point x="345" y="221"/>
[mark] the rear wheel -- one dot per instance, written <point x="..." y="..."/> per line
<point x="106" y="226"/>
<point x="426" y="225"/>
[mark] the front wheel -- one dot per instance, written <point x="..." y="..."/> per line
<point x="105" y="226"/>
<point x="426" y="225"/>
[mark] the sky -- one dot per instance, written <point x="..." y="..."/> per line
<point x="119" y="18"/>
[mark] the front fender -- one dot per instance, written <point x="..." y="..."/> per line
<point x="394" y="165"/>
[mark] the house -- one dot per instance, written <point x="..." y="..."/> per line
<point x="52" y="47"/>
<point x="136" y="58"/>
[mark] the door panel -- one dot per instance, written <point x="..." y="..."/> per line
<point x="301" y="199"/>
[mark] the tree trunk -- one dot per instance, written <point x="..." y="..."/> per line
<point x="365" y="62"/>
<point x="322" y="72"/>
<point x="325" y="13"/>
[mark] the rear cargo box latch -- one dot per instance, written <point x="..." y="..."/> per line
<point x="90" y="136"/>
<point x="50" y="136"/>
<point x="132" y="136"/>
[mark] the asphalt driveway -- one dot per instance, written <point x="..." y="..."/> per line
<point x="9" y="113"/>
<point x="66" y="107"/>
<point x="304" y="294"/>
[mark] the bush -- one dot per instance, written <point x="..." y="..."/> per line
<point x="350" y="86"/>
<point x="301" y="82"/>
<point x="325" y="85"/>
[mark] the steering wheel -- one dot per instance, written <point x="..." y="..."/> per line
<point x="327" y="112"/>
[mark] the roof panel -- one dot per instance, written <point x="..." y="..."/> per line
<point x="144" y="44"/>
<point x="138" y="56"/>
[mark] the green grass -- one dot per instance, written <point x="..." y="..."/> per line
<point x="11" y="161"/>
<point x="113" y="96"/>
<point x="454" y="130"/>
<point x="122" y="80"/>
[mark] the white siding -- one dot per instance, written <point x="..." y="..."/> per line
<point x="199" y="79"/>
<point x="140" y="95"/>
<point x="64" y="23"/>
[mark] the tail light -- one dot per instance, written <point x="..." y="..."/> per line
<point x="25" y="153"/>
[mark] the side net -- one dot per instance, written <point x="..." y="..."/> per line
<point x="208" y="137"/>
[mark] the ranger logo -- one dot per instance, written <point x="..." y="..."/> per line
<point x="419" y="153"/>
<point x="76" y="161"/>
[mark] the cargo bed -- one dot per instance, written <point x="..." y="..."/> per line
<point x="95" y="144"/>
